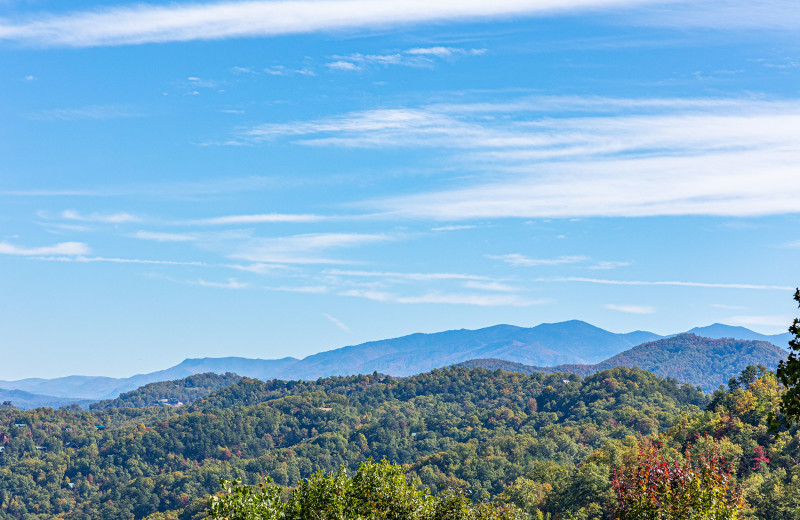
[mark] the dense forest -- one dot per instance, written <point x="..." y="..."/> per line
<point x="689" y="358"/>
<point x="546" y="442"/>
<point x="170" y="393"/>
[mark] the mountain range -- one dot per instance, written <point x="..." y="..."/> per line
<point x="572" y="343"/>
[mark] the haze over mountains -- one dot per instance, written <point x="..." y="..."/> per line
<point x="573" y="343"/>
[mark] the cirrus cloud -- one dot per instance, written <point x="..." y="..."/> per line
<point x="61" y="249"/>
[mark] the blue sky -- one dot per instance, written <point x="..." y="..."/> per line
<point x="266" y="179"/>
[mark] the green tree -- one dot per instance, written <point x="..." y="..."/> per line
<point x="789" y="375"/>
<point x="377" y="491"/>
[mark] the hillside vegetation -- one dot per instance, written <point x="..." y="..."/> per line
<point x="546" y="443"/>
<point x="170" y="393"/>
<point x="687" y="358"/>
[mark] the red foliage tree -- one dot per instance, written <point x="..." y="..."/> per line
<point x="652" y="487"/>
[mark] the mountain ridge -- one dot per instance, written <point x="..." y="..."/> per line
<point x="572" y="342"/>
<point x="688" y="358"/>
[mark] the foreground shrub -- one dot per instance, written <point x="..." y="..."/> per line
<point x="377" y="491"/>
<point x="692" y="487"/>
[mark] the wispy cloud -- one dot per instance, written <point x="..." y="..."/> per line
<point x="165" y="23"/>
<point x="721" y="162"/>
<point x="302" y="289"/>
<point x="231" y="283"/>
<point x="624" y="157"/>
<point x="183" y="190"/>
<point x="109" y="218"/>
<point x="264" y="218"/>
<point x="90" y="259"/>
<point x="490" y="286"/>
<point x="631" y="309"/>
<point x="726" y="306"/>
<point x="607" y="265"/>
<point x="260" y="268"/>
<point x="62" y="249"/>
<point x="417" y="277"/>
<point x="426" y="57"/>
<point x="337" y="323"/>
<point x="93" y="112"/>
<point x="303" y="249"/>
<point x="453" y="228"/>
<point x="342" y="65"/>
<point x="675" y="283"/>
<point x="164" y="237"/>
<point x="767" y="320"/>
<point x="282" y="70"/>
<point x="145" y="23"/>
<point x="481" y="300"/>
<point x="444" y="52"/>
<point x="518" y="260"/>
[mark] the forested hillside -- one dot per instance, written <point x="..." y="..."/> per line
<point x="179" y="392"/>
<point x="699" y="361"/>
<point x="547" y="442"/>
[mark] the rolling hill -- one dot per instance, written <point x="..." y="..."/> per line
<point x="688" y="358"/>
<point x="27" y="400"/>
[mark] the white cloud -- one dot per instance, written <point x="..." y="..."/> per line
<point x="490" y="286"/>
<point x="518" y="260"/>
<point x="265" y="218"/>
<point x="726" y="306"/>
<point x="608" y="265"/>
<point x="631" y="309"/>
<point x="417" y="57"/>
<point x="259" y="268"/>
<point x="445" y="52"/>
<point x="231" y="283"/>
<point x="303" y="289"/>
<point x="482" y="300"/>
<point x="342" y="65"/>
<point x="418" y="277"/>
<point x="143" y="23"/>
<point x="90" y="259"/>
<point x="281" y="70"/>
<point x="138" y="24"/>
<point x="453" y="228"/>
<point x="631" y="158"/>
<point x="112" y="218"/>
<point x="337" y="323"/>
<point x="773" y="320"/>
<point x="303" y="249"/>
<point x="675" y="283"/>
<point x="164" y="237"/>
<point x="62" y="249"/>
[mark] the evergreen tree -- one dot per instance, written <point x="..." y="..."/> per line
<point x="789" y="374"/>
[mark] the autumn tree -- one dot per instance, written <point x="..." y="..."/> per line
<point x="652" y="487"/>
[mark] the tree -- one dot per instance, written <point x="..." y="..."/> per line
<point x="789" y="375"/>
<point x="377" y="491"/>
<point x="695" y="488"/>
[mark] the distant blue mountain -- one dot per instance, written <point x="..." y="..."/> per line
<point x="546" y="345"/>
<point x="719" y="331"/>
<point x="26" y="400"/>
